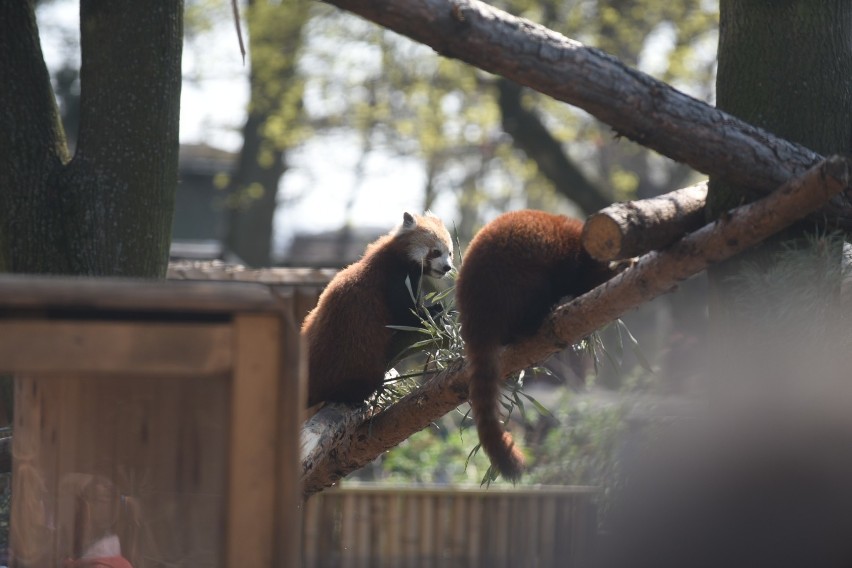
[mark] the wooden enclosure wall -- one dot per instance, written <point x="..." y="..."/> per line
<point x="158" y="442"/>
<point x="163" y="416"/>
<point x="398" y="527"/>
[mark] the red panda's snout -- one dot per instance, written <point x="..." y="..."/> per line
<point x="438" y="264"/>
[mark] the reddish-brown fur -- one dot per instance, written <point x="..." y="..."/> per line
<point x="347" y="334"/>
<point x="514" y="271"/>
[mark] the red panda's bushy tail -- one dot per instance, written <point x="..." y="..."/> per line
<point x="485" y="381"/>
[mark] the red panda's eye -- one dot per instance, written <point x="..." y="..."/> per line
<point x="435" y="253"/>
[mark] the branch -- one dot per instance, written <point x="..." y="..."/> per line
<point x="655" y="274"/>
<point x="634" y="104"/>
<point x="531" y="136"/>
<point x="631" y="228"/>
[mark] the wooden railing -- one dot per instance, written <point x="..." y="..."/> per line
<point x="391" y="526"/>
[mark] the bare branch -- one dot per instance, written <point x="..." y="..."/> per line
<point x="631" y="228"/>
<point x="655" y="274"/>
<point x="634" y="104"/>
<point x="235" y="8"/>
<point x="531" y="135"/>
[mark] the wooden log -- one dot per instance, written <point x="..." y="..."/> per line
<point x="176" y="349"/>
<point x="23" y="292"/>
<point x="632" y="228"/>
<point x="253" y="440"/>
<point x="653" y="275"/>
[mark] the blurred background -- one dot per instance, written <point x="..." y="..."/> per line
<point x="332" y="126"/>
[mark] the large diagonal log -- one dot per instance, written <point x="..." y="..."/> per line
<point x="634" y="104"/>
<point x="654" y="274"/>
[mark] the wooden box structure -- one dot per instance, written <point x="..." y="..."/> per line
<point x="161" y="416"/>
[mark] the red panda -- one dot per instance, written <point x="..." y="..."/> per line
<point x="514" y="271"/>
<point x="347" y="334"/>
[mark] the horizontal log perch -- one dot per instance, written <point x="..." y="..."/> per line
<point x="632" y="228"/>
<point x="633" y="103"/>
<point x="654" y="274"/>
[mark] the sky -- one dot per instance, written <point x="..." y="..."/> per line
<point x="213" y="109"/>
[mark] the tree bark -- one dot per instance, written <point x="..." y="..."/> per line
<point x="107" y="211"/>
<point x="635" y="105"/>
<point x="792" y="78"/>
<point x="655" y="274"/>
<point x="631" y="228"/>
<point x="32" y="143"/>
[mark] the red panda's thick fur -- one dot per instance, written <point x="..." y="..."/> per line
<point x="347" y="334"/>
<point x="514" y="271"/>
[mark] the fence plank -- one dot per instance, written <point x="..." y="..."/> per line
<point x="449" y="527"/>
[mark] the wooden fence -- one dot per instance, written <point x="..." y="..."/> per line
<point x="382" y="526"/>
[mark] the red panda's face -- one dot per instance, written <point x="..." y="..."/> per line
<point x="429" y="244"/>
<point x="438" y="261"/>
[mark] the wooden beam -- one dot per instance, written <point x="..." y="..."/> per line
<point x="174" y="349"/>
<point x="254" y="440"/>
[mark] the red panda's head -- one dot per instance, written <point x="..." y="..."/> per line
<point x="428" y="243"/>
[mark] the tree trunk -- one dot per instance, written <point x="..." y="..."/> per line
<point x="785" y="67"/>
<point x="107" y="211"/>
<point x="253" y="194"/>
<point x="32" y="144"/>
<point x="530" y="135"/>
<point x="275" y="35"/>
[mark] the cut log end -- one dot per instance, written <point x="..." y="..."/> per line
<point x="602" y="237"/>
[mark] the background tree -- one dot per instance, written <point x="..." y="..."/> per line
<point x="272" y="127"/>
<point x="108" y="209"/>
<point x="552" y="152"/>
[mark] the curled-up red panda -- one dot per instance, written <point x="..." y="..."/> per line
<point x="349" y="341"/>
<point x="514" y="271"/>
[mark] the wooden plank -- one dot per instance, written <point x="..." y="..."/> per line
<point x="459" y="529"/>
<point x="477" y="540"/>
<point x="392" y="551"/>
<point x="347" y="536"/>
<point x="411" y="530"/>
<point x="311" y="528"/>
<point x="27" y="292"/>
<point x="548" y="536"/>
<point x="253" y="441"/>
<point x="292" y="397"/>
<point x="426" y="504"/>
<point x="449" y="527"/>
<point x="363" y="524"/>
<point x="173" y="349"/>
<point x="32" y="541"/>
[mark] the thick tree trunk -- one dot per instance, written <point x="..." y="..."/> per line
<point x="109" y="210"/>
<point x="32" y="144"/>
<point x="785" y="67"/>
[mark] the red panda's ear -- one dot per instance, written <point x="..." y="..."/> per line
<point x="408" y="221"/>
